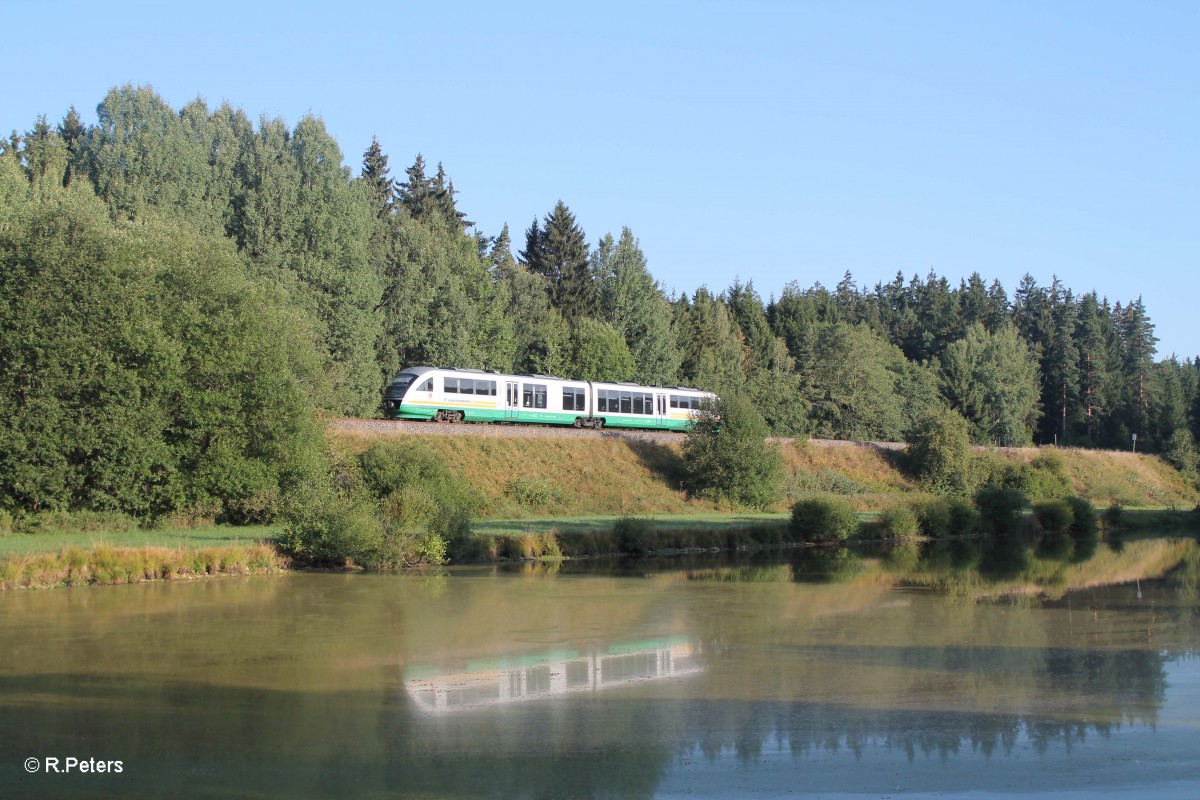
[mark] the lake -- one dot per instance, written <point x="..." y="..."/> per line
<point x="923" y="672"/>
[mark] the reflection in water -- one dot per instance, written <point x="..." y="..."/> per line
<point x="550" y="675"/>
<point x="742" y="677"/>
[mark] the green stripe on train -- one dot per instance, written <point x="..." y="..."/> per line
<point x="407" y="411"/>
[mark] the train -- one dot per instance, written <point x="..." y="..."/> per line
<point x="450" y="394"/>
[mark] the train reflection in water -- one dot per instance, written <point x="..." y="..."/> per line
<point x="550" y="674"/>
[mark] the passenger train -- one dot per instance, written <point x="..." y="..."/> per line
<point x="474" y="395"/>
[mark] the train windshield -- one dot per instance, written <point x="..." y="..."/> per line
<point x="400" y="384"/>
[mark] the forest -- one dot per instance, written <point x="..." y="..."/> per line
<point x="185" y="293"/>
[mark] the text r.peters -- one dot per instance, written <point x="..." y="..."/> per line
<point x="73" y="764"/>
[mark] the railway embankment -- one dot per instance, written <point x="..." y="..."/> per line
<point x="535" y="472"/>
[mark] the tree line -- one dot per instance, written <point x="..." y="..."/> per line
<point x="182" y="289"/>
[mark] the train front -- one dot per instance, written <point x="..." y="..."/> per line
<point x="397" y="388"/>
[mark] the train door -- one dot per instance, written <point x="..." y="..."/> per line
<point x="660" y="409"/>
<point x="512" y="399"/>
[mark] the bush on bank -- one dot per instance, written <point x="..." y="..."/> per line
<point x="823" y="520"/>
<point x="394" y="505"/>
<point x="726" y="456"/>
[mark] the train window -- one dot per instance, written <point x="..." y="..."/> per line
<point x="648" y="399"/>
<point x="674" y="401"/>
<point x="427" y="386"/>
<point x="626" y="403"/>
<point x="573" y="399"/>
<point x="602" y="400"/>
<point x="451" y="385"/>
<point x="533" y="395"/>
<point x="638" y="406"/>
<point x="466" y="386"/>
<point x="485" y="387"/>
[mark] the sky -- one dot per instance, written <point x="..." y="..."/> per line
<point x="762" y="141"/>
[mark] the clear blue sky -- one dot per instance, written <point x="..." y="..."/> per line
<point x="771" y="141"/>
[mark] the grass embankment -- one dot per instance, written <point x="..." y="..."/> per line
<point x="535" y="478"/>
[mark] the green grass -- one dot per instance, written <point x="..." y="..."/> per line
<point x="21" y="544"/>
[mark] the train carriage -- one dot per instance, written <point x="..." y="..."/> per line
<point x="471" y="395"/>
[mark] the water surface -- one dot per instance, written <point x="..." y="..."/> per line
<point x="904" y="675"/>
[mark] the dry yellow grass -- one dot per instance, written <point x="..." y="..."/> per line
<point x="552" y="476"/>
<point x="105" y="564"/>
<point x="560" y="476"/>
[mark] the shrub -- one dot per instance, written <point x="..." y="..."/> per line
<point x="900" y="522"/>
<point x="1114" y="516"/>
<point x="323" y="527"/>
<point x="1000" y="509"/>
<point x="964" y="518"/>
<point x="1181" y="452"/>
<point x="78" y="522"/>
<point x="635" y="536"/>
<point x="727" y="458"/>
<point x="533" y="492"/>
<point x="6" y="522"/>
<point x="1083" y="517"/>
<point x="939" y="451"/>
<point x="1054" y="516"/>
<point x="827" y="481"/>
<point x="1045" y="478"/>
<point x="823" y="520"/>
<point x="425" y="509"/>
<point x="933" y="515"/>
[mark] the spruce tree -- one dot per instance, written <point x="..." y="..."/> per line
<point x="416" y="193"/>
<point x="380" y="186"/>
<point x="558" y="251"/>
<point x="74" y="136"/>
<point x="633" y="303"/>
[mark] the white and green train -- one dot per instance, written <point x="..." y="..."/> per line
<point x="474" y="395"/>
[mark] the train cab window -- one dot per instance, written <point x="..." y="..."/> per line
<point x="533" y="395"/>
<point x="427" y="386"/>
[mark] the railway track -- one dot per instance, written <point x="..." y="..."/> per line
<point x="390" y="427"/>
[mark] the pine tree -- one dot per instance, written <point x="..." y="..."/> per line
<point x="713" y="352"/>
<point x="74" y="136"/>
<point x="416" y="194"/>
<point x="45" y="153"/>
<point x="443" y="197"/>
<point x="500" y="254"/>
<point x="1137" y="353"/>
<point x="634" y="304"/>
<point x="558" y="251"/>
<point x="1060" y="368"/>
<point x="380" y="186"/>
<point x="972" y="301"/>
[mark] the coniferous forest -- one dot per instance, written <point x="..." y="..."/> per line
<point x="184" y="293"/>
